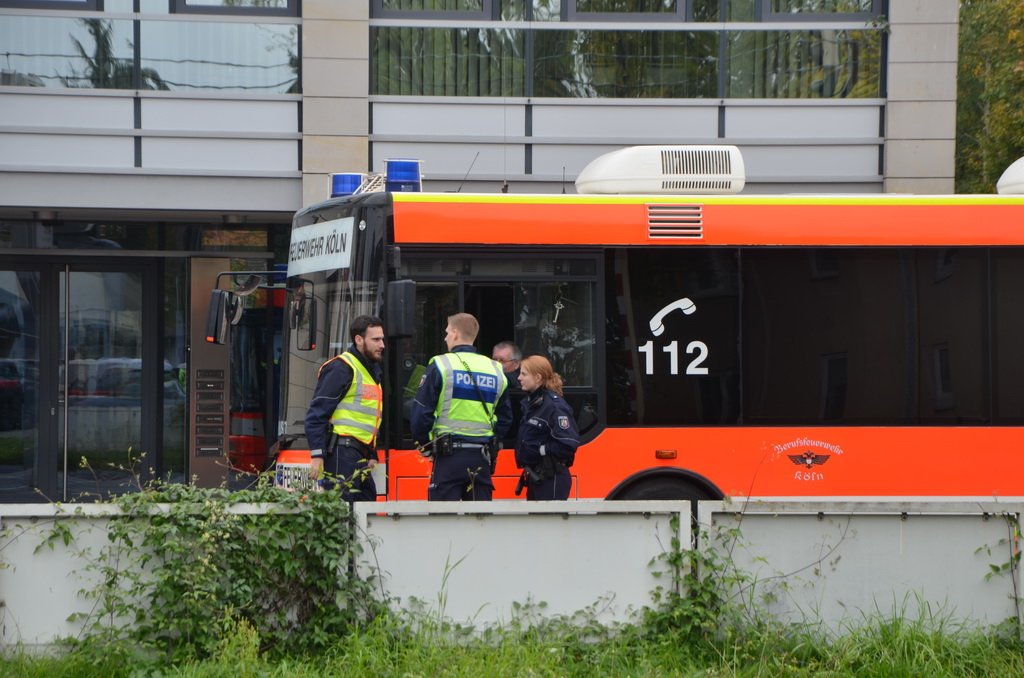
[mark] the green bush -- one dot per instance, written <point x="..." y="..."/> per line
<point x="185" y="568"/>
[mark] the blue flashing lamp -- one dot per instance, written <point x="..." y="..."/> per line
<point x="345" y="183"/>
<point x="402" y="175"/>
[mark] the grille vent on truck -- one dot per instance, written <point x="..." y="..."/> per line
<point x="675" y="221"/>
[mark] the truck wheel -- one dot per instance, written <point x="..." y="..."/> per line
<point x="663" y="488"/>
<point x="666" y="488"/>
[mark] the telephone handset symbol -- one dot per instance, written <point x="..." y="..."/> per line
<point x="657" y="321"/>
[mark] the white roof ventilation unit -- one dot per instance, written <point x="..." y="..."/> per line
<point x="1012" y="180"/>
<point x="665" y="169"/>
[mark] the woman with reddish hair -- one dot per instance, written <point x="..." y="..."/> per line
<point x="547" y="441"/>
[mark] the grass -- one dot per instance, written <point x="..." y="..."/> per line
<point x="899" y="647"/>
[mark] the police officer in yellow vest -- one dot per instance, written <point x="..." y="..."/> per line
<point x="345" y="412"/>
<point x="460" y="410"/>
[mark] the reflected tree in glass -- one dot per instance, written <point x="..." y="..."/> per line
<point x="804" y="64"/>
<point x="103" y="70"/>
<point x="626" y="64"/>
<point x="447" y="61"/>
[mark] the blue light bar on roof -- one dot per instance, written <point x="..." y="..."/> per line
<point x="345" y="183"/>
<point x="402" y="175"/>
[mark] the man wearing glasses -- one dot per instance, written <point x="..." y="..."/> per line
<point x="508" y="355"/>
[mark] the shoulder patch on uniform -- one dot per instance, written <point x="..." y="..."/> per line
<point x="563" y="422"/>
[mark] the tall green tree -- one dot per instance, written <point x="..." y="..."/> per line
<point x="990" y="97"/>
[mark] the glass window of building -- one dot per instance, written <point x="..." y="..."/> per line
<point x="221" y="56"/>
<point x="58" y="51"/>
<point x="448" y="62"/>
<point x="791" y="7"/>
<point x="572" y="56"/>
<point x="804" y="64"/>
<point x="53" y="4"/>
<point x="251" y="7"/>
<point x="462" y="9"/>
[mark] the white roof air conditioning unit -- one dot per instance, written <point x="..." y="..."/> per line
<point x="1012" y="180"/>
<point x="665" y="169"/>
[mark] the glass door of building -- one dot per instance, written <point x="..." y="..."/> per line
<point x="20" y="306"/>
<point x="80" y="410"/>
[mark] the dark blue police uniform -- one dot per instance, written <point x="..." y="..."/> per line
<point x="347" y="458"/>
<point x="546" y="445"/>
<point x="464" y="473"/>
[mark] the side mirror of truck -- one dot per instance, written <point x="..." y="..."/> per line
<point x="400" y="306"/>
<point x="225" y="310"/>
<point x="302" y="315"/>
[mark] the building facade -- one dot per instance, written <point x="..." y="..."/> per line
<point x="149" y="147"/>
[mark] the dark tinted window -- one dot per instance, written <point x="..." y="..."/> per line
<point x="1008" y="335"/>
<point x="858" y="336"/>
<point x="851" y="336"/>
<point x="672" y="332"/>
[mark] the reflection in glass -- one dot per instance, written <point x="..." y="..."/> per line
<point x="639" y="6"/>
<point x="103" y="376"/>
<point x="735" y="10"/>
<point x="434" y="303"/>
<point x="540" y="10"/>
<point x="222" y="56"/>
<point x="175" y="372"/>
<point x="625" y="64"/>
<point x="556" y="320"/>
<point x="62" y="52"/>
<point x="485" y="62"/>
<point x="804" y="64"/>
<point x="880" y="342"/>
<point x="275" y="4"/>
<point x="820" y="6"/>
<point x="19" y="385"/>
<point x="447" y="62"/>
<point x="102" y="235"/>
<point x="432" y="5"/>
<point x="705" y="10"/>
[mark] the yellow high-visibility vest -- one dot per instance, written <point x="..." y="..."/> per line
<point x="358" y="413"/>
<point x="459" y="410"/>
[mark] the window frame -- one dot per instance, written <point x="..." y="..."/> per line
<point x="182" y="7"/>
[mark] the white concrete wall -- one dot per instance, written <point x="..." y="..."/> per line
<point x="787" y="145"/>
<point x="473" y="562"/>
<point x="73" y="150"/>
<point x="837" y="564"/>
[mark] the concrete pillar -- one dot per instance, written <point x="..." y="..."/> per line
<point x="920" y="114"/>
<point x="335" y="102"/>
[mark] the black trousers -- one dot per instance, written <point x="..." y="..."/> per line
<point x="551" y="488"/>
<point x="463" y="475"/>
<point x="348" y="470"/>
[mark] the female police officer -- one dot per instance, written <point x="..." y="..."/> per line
<point x="547" y="441"/>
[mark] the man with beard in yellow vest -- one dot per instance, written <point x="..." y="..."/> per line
<point x="460" y="415"/>
<point x="345" y="412"/>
